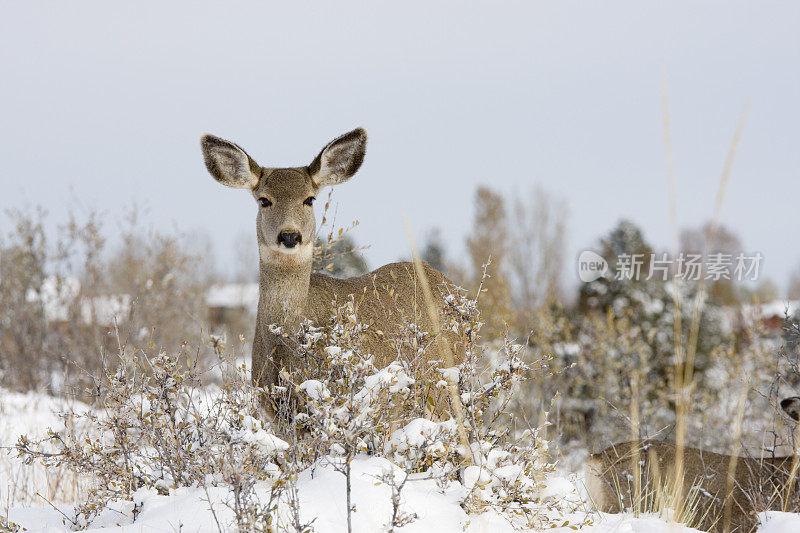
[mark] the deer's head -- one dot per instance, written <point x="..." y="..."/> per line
<point x="791" y="407"/>
<point x="285" y="223"/>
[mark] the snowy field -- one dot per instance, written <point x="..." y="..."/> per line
<point x="40" y="500"/>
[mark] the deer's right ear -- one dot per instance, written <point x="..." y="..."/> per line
<point x="229" y="164"/>
<point x="792" y="407"/>
<point x="340" y="159"/>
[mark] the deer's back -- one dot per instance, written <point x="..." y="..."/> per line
<point x="385" y="298"/>
<point x="758" y="484"/>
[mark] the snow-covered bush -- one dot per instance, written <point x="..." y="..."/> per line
<point x="347" y="405"/>
<point x="616" y="381"/>
<point x="156" y="428"/>
<point x="159" y="427"/>
<point x="616" y="358"/>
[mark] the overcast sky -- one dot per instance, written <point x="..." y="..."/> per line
<point x="103" y="104"/>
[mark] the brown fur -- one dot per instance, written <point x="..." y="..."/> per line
<point x="758" y="484"/>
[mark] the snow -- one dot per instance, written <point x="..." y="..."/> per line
<point x="778" y="522"/>
<point x="779" y="308"/>
<point x="105" y="309"/>
<point x="315" y="389"/>
<point x="451" y="375"/>
<point x="392" y="378"/>
<point x="233" y="295"/>
<point x="254" y="433"/>
<point x="56" y="296"/>
<point x="625" y="523"/>
<point x="421" y="435"/>
<point x="321" y="490"/>
<point x="322" y="496"/>
<point x="31" y="413"/>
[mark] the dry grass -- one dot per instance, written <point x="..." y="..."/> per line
<point x="450" y="360"/>
<point x="673" y="495"/>
<point x="22" y="484"/>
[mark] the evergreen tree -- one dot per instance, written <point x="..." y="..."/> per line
<point x="340" y="258"/>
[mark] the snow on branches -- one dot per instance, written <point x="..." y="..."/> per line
<point x="158" y="427"/>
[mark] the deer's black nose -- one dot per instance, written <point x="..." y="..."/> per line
<point x="289" y="240"/>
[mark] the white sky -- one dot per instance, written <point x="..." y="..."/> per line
<point x="103" y="104"/>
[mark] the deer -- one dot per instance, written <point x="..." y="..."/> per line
<point x="289" y="291"/>
<point x="718" y="492"/>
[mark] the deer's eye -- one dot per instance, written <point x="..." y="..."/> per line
<point x="309" y="201"/>
<point x="265" y="202"/>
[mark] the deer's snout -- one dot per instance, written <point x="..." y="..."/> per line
<point x="289" y="240"/>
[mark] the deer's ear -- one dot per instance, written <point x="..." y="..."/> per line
<point x="338" y="161"/>
<point x="792" y="407"/>
<point x="229" y="164"/>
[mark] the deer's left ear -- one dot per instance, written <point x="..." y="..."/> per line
<point x="792" y="407"/>
<point x="228" y="163"/>
<point x="338" y="161"/>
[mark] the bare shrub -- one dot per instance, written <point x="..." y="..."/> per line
<point x="156" y="427"/>
<point x="488" y="247"/>
<point x="536" y="255"/>
<point x="71" y="293"/>
<point x="348" y="406"/>
<point x="794" y="284"/>
<point x="517" y="244"/>
<point x="165" y="282"/>
<point x="23" y="333"/>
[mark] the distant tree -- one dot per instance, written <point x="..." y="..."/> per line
<point x="624" y="242"/>
<point x="489" y="239"/>
<point x="340" y="258"/>
<point x="647" y="300"/>
<point x="23" y="330"/>
<point x="764" y="291"/>
<point x="723" y="241"/>
<point x="523" y="238"/>
<point x="794" y="284"/>
<point x="699" y="240"/>
<point x="767" y="291"/>
<point x="165" y="276"/>
<point x="245" y="254"/>
<point x="625" y="339"/>
<point x="433" y="251"/>
<point x="536" y="255"/>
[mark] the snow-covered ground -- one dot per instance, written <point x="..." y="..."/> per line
<point x="40" y="500"/>
<point x="32" y="414"/>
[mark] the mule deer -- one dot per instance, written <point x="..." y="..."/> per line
<point x="719" y="492"/>
<point x="289" y="290"/>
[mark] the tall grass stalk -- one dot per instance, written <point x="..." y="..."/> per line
<point x="789" y="488"/>
<point x="636" y="466"/>
<point x="433" y="314"/>
<point x="684" y="362"/>
<point x="731" y="479"/>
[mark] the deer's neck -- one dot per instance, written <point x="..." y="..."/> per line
<point x="283" y="293"/>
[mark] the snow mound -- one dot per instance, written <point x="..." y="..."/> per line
<point x="321" y="490"/>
